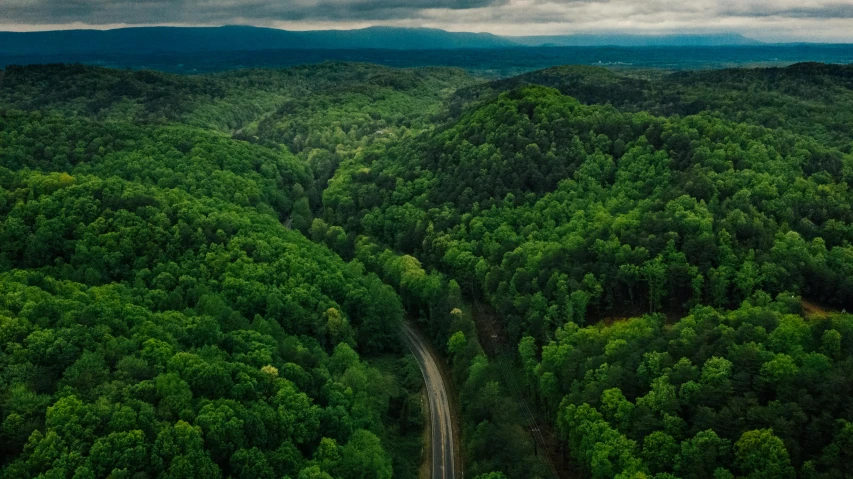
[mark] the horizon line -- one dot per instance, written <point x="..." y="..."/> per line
<point x="604" y="33"/>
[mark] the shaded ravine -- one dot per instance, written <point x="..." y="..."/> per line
<point x="441" y="420"/>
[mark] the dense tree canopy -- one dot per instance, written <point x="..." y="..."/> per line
<point x="809" y="98"/>
<point x="604" y="211"/>
<point x="753" y="391"/>
<point x="160" y="320"/>
<point x="206" y="275"/>
<point x="562" y="214"/>
<point x="174" y="312"/>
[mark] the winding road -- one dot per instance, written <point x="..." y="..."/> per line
<point x="439" y="407"/>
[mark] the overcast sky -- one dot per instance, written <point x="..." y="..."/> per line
<point x="769" y="20"/>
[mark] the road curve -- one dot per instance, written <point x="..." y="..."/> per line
<point x="439" y="406"/>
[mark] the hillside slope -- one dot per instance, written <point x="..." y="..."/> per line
<point x="237" y="38"/>
<point x="806" y="98"/>
<point x="562" y="214"/>
<point x="159" y="318"/>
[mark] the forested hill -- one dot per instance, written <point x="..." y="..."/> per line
<point x="705" y="228"/>
<point x="504" y="169"/>
<point x="157" y="316"/>
<point x="226" y="101"/>
<point x="636" y="40"/>
<point x="206" y="275"/>
<point x="810" y="98"/>
<point x="144" y="40"/>
<point x="141" y="40"/>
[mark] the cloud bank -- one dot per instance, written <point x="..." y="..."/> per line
<point x="773" y="20"/>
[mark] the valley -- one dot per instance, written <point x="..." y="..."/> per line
<point x="590" y="272"/>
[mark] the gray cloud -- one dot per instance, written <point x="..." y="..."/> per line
<point x="827" y="10"/>
<point x="207" y="11"/>
<point x="773" y="20"/>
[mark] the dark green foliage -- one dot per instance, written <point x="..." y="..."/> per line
<point x="650" y="212"/>
<point x="104" y="93"/>
<point x="349" y="107"/>
<point x="181" y="321"/>
<point x="159" y="320"/>
<point x="751" y="390"/>
<point x="357" y="103"/>
<point x="163" y="314"/>
<point x="239" y="101"/>
<point x="562" y="214"/>
<point x="201" y="163"/>
<point x="494" y="432"/>
<point x="811" y="98"/>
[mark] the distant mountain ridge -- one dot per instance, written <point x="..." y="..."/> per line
<point x="237" y="38"/>
<point x="633" y="40"/>
<point x="240" y="38"/>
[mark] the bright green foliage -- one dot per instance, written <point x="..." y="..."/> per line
<point x="157" y="319"/>
<point x="811" y="98"/>
<point x="341" y="97"/>
<point x="494" y="432"/>
<point x="659" y="451"/>
<point x="703" y="394"/>
<point x="456" y="343"/>
<point x="607" y="452"/>
<point x="354" y="104"/>
<point x="363" y="458"/>
<point x="162" y="314"/>
<point x="760" y="454"/>
<point x="201" y="163"/>
<point x="194" y="406"/>
<point x="674" y="199"/>
<point x="614" y="212"/>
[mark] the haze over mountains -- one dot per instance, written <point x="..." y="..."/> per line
<point x="636" y="40"/>
<point x="239" y="38"/>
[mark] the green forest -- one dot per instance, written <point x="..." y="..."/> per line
<point x="626" y="274"/>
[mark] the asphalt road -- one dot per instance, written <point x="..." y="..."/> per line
<point x="439" y="407"/>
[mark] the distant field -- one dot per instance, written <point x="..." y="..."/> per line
<point x="492" y="62"/>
